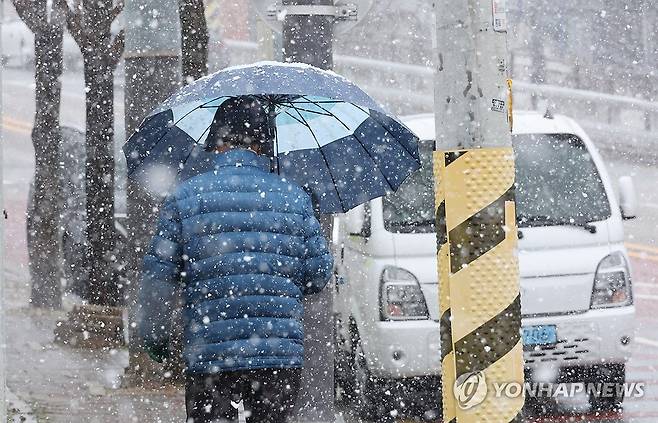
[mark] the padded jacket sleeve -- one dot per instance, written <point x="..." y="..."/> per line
<point x="318" y="261"/>
<point x="160" y="278"/>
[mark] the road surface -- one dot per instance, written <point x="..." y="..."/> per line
<point x="642" y="232"/>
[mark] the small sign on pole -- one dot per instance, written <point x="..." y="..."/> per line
<point x="499" y="15"/>
<point x="347" y="13"/>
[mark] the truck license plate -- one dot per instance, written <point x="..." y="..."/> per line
<point x="539" y="335"/>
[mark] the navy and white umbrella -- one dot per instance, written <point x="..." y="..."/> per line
<point x="330" y="137"/>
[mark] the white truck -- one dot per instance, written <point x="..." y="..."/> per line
<point x="576" y="295"/>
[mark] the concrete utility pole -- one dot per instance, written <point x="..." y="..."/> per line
<point x="476" y="222"/>
<point x="308" y="31"/>
<point x="269" y="42"/>
<point x="152" y="61"/>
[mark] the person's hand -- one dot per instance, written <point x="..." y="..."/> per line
<point x="157" y="352"/>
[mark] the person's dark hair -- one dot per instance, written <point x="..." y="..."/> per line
<point x="239" y="122"/>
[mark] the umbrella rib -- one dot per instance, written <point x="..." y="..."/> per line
<point x="299" y="121"/>
<point x="270" y="100"/>
<point x="360" y="143"/>
<point x="316" y="102"/>
<point x="305" y="123"/>
<point x="389" y="132"/>
<point x="184" y="116"/>
<point x="333" y="115"/>
<point x="196" y="143"/>
<point x="201" y="106"/>
<point x="360" y="108"/>
<point x="373" y="160"/>
<point x="184" y="162"/>
<point x="203" y="133"/>
<point x="312" y="111"/>
<point x="394" y="137"/>
<point x="326" y="162"/>
<point x="273" y="100"/>
<point x="166" y="131"/>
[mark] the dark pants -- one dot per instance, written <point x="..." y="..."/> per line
<point x="268" y="395"/>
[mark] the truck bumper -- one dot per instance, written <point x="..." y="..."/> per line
<point x="592" y="338"/>
<point x="403" y="349"/>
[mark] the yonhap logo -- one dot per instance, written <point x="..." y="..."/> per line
<point x="470" y="389"/>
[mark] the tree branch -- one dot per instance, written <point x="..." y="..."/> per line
<point x="116" y="10"/>
<point x="27" y="11"/>
<point x="74" y="24"/>
<point x="116" y="49"/>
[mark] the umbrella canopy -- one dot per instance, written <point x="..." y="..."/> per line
<point x="328" y="135"/>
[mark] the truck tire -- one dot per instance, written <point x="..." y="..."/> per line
<point x="345" y="347"/>
<point x="368" y="395"/>
<point x="343" y="376"/>
<point x="363" y="393"/>
<point x="610" y="373"/>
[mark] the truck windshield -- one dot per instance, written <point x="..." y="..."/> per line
<point x="557" y="183"/>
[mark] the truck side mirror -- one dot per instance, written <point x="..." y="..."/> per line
<point x="627" y="198"/>
<point x="354" y="220"/>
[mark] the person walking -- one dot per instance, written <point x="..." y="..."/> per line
<point x="244" y="246"/>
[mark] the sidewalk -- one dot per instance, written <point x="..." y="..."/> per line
<point x="51" y="383"/>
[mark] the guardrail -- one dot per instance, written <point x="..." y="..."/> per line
<point x="613" y="121"/>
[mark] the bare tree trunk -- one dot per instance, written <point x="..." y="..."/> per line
<point x="44" y="203"/>
<point x="99" y="181"/>
<point x="90" y="27"/>
<point x="194" y="39"/>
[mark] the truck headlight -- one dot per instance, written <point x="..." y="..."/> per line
<point x="612" y="282"/>
<point x="400" y="296"/>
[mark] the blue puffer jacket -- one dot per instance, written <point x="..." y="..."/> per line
<point x="244" y="245"/>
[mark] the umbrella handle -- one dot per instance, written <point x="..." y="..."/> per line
<point x="274" y="165"/>
<point x="272" y="149"/>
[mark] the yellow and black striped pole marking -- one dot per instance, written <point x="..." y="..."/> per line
<point x="482" y="293"/>
<point x="447" y="354"/>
